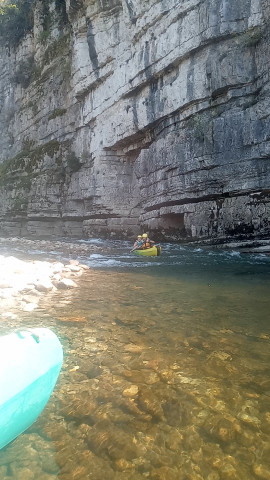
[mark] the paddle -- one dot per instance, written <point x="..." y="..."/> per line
<point x="138" y="246"/>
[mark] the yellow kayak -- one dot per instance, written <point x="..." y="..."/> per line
<point x="154" y="251"/>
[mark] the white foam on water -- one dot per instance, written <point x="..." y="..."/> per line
<point x="39" y="252"/>
<point x="96" y="255"/>
<point x="93" y="241"/>
<point x="97" y="260"/>
<point x="234" y="253"/>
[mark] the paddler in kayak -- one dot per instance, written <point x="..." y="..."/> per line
<point x="143" y="242"/>
<point x="138" y="243"/>
<point x="146" y="242"/>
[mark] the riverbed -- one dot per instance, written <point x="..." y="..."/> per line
<point x="166" y="367"/>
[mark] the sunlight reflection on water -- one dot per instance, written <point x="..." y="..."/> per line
<point x="166" y="372"/>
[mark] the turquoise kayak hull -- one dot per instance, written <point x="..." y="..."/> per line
<point x="30" y="363"/>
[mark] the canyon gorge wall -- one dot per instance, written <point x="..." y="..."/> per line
<point x="119" y="116"/>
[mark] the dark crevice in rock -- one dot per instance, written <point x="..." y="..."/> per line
<point x="131" y="11"/>
<point x="98" y="81"/>
<point x="149" y="73"/>
<point x="92" y="47"/>
<point x="158" y="18"/>
<point x="207" y="198"/>
<point x="157" y="127"/>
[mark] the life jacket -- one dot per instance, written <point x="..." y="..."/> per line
<point x="146" y="244"/>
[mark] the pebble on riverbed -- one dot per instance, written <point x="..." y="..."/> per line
<point x="23" y="283"/>
<point x="142" y="397"/>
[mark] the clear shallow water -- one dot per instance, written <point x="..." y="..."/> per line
<point x="166" y="372"/>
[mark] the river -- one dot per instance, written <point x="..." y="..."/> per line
<point x="166" y="372"/>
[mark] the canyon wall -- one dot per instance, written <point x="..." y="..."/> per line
<point x="119" y="116"/>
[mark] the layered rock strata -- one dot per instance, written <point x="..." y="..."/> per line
<point x="131" y="114"/>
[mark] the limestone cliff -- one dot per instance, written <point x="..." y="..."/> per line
<point x="119" y="115"/>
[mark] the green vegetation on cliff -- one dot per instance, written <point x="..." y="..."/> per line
<point x="16" y="19"/>
<point x="27" y="159"/>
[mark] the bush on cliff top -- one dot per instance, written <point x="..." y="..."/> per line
<point x="16" y="19"/>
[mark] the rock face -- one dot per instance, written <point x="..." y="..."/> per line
<point x="125" y="114"/>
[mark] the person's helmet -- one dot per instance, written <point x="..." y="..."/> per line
<point x="139" y="236"/>
<point x="144" y="235"/>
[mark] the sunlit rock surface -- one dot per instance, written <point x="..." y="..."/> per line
<point x="134" y="114"/>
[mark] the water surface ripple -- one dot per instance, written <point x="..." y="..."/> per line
<point x="166" y="373"/>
